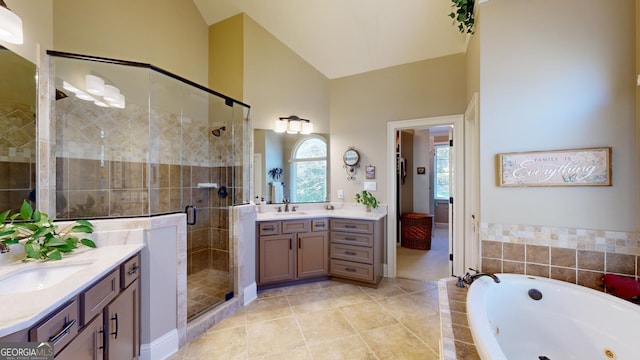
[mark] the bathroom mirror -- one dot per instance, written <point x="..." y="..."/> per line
<point x="291" y="166"/>
<point x="17" y="130"/>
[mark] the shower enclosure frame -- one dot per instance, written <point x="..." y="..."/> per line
<point x="237" y="170"/>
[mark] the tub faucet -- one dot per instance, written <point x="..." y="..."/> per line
<point x="469" y="278"/>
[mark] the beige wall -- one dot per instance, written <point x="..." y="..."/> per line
<point x="361" y="106"/>
<point x="473" y="57"/>
<point x="277" y="82"/>
<point x="37" y="25"/>
<point x="226" y="52"/>
<point x="561" y="77"/>
<point x="170" y="34"/>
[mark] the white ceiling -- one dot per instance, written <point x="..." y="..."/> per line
<point x="345" y="37"/>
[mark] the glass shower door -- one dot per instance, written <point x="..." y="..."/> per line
<point x="193" y="130"/>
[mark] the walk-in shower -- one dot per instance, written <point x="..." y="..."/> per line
<point x="138" y="144"/>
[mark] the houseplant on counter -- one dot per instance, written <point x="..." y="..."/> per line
<point x="41" y="239"/>
<point x="366" y="198"/>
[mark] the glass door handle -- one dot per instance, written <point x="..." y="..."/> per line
<point x="194" y="211"/>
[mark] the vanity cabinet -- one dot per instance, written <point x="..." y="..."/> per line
<point x="292" y="250"/>
<point x="357" y="250"/>
<point x="102" y="322"/>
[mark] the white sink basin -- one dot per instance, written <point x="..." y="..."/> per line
<point x="38" y="277"/>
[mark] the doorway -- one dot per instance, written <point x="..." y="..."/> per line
<point x="455" y="243"/>
<point x="422" y="249"/>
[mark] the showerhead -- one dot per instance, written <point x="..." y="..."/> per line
<point x="216" y="132"/>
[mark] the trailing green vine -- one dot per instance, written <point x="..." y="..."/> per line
<point x="42" y="239"/>
<point x="463" y="14"/>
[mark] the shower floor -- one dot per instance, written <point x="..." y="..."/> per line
<point x="206" y="289"/>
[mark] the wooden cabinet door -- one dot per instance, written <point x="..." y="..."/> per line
<point x="313" y="254"/>
<point x="276" y="258"/>
<point x="123" y="324"/>
<point x="88" y="345"/>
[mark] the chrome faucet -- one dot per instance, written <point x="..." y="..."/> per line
<point x="470" y="278"/>
<point x="286" y="205"/>
<point x="4" y="248"/>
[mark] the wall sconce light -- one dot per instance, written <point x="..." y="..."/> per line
<point x="10" y="25"/>
<point x="293" y="125"/>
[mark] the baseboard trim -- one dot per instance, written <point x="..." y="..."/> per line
<point x="250" y="293"/>
<point x="162" y="347"/>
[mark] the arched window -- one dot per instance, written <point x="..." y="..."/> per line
<point x="309" y="170"/>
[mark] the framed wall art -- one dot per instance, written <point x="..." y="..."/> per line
<point x="578" y="167"/>
<point x="370" y="172"/>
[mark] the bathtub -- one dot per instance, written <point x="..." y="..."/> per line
<point x="568" y="322"/>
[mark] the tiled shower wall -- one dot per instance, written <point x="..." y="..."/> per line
<point x="17" y="153"/>
<point x="102" y="170"/>
<point x="580" y="256"/>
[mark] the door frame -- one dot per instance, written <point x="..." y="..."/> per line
<point x="472" y="184"/>
<point x="456" y="188"/>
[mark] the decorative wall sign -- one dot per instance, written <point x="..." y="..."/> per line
<point x="421" y="170"/>
<point x="581" y="167"/>
<point x="370" y="172"/>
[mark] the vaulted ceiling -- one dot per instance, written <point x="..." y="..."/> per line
<point x="346" y="37"/>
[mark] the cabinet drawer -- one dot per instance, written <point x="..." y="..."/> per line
<point x="359" y="226"/>
<point x="130" y="270"/>
<point x="99" y="295"/>
<point x="351" y="270"/>
<point x="269" y="228"/>
<point x="59" y="329"/>
<point x="295" y="226"/>
<point x="352" y="253"/>
<point x="319" y="225"/>
<point x="350" y="238"/>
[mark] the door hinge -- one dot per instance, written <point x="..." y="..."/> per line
<point x="450" y="142"/>
<point x="450" y="257"/>
<point x="451" y="200"/>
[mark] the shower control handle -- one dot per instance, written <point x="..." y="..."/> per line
<point x="194" y="212"/>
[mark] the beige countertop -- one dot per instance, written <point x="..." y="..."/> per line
<point x="345" y="212"/>
<point x="22" y="310"/>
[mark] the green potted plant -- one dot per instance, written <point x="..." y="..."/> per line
<point x="367" y="199"/>
<point x="42" y="240"/>
<point x="463" y="14"/>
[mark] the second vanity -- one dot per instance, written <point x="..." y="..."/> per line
<point x="306" y="245"/>
<point x="87" y="305"/>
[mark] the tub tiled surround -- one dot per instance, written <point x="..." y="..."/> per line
<point x="457" y="341"/>
<point x="579" y="256"/>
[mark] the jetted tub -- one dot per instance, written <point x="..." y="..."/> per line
<point x="567" y="322"/>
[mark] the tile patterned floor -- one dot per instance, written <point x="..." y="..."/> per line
<point x="328" y="320"/>
<point x="205" y="289"/>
